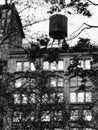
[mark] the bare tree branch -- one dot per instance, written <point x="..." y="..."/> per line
<point x="80" y="30"/>
<point x="92" y="3"/>
<point x="35" y="22"/>
<point x="23" y="10"/>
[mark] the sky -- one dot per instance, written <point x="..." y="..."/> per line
<point x="74" y="22"/>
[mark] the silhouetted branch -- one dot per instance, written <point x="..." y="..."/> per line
<point x="79" y="30"/>
<point x="35" y="22"/>
<point x="92" y="3"/>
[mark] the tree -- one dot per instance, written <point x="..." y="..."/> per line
<point x="38" y="79"/>
<point x="76" y="6"/>
<point x="76" y="69"/>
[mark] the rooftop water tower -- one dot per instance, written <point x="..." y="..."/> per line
<point x="58" y="26"/>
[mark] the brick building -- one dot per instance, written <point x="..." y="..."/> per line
<point x="11" y="34"/>
<point x="61" y="107"/>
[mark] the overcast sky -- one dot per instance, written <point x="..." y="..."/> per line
<point x="74" y="22"/>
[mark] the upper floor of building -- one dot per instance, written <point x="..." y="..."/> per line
<point x="11" y="30"/>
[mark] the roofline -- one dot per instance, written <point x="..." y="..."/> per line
<point x="13" y="8"/>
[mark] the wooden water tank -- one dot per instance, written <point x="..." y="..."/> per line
<point x="58" y="26"/>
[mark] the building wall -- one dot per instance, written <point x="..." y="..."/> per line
<point x="68" y="88"/>
<point x="8" y="19"/>
<point x="72" y="109"/>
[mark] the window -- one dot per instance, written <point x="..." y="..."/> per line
<point x="56" y="116"/>
<point x="87" y="115"/>
<point x="32" y="98"/>
<point x="25" y="66"/>
<point x="56" y="82"/>
<point x="28" y="66"/>
<point x="80" y="97"/>
<point x="79" y="81"/>
<point x="32" y="66"/>
<point x="60" y="82"/>
<point x="17" y="98"/>
<point x="48" y="116"/>
<point x="85" y="64"/>
<point x="75" y="81"/>
<point x="74" y="115"/>
<point x="88" y="96"/>
<point x="56" y="97"/>
<point x="53" y="97"/>
<point x="53" y="66"/>
<point x="19" y="66"/>
<point x="21" y="82"/>
<point x="24" y="98"/>
<point x="45" y="116"/>
<point x="81" y="63"/>
<point x="24" y="82"/>
<point x="20" y="98"/>
<point x="60" y="65"/>
<point x="60" y="97"/>
<point x="45" y="98"/>
<point x="72" y="97"/>
<point x="46" y="65"/>
<point x="53" y="82"/>
<point x="18" y="83"/>
<point x="31" y="116"/>
<point x="17" y="116"/>
<point x="83" y="114"/>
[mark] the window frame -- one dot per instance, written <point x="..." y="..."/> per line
<point x="76" y="82"/>
<point x="76" y="94"/>
<point x="57" y="79"/>
<point x="76" y="114"/>
<point x="22" y="98"/>
<point x="19" y="68"/>
<point x="47" y="118"/>
<point x="58" y="64"/>
<point x="84" y="65"/>
<point x="82" y="62"/>
<point x="22" y="68"/>
<point x="53" y="66"/>
<point x="86" y="117"/>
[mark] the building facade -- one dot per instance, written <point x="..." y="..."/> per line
<point x="45" y="97"/>
<point x="65" y="107"/>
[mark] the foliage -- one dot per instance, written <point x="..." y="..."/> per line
<point x="76" y="70"/>
<point x="48" y="52"/>
<point x="46" y="49"/>
<point x="84" y="45"/>
<point x="41" y="50"/>
<point x="79" y="6"/>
